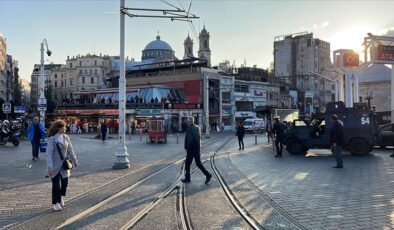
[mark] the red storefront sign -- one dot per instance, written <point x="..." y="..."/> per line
<point x="87" y="112"/>
<point x="185" y="106"/>
<point x="351" y="59"/>
<point x="385" y="53"/>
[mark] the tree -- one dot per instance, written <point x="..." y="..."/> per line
<point x="50" y="103"/>
<point x="17" y="95"/>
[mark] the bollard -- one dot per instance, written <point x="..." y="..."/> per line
<point x="255" y="138"/>
<point x="177" y="138"/>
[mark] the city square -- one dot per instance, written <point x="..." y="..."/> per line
<point x="182" y="114"/>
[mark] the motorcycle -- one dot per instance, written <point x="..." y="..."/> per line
<point x="9" y="135"/>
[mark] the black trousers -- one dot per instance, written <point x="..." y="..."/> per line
<point x="197" y="160"/>
<point x="279" y="146"/>
<point x="103" y="134"/>
<point x="35" y="147"/>
<point x="241" y="142"/>
<point x="59" y="188"/>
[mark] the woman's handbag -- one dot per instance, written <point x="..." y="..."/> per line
<point x="67" y="164"/>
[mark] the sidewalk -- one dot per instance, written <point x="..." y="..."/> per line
<point x="24" y="192"/>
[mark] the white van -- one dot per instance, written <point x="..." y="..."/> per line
<point x="254" y="124"/>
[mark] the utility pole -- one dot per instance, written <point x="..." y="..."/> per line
<point x="41" y="99"/>
<point x="122" y="161"/>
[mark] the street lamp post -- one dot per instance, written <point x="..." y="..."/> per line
<point x="42" y="81"/>
<point x="122" y="160"/>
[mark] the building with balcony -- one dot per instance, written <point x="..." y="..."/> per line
<point x="300" y="60"/>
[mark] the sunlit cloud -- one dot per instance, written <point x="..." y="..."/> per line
<point x="387" y="31"/>
<point x="315" y="26"/>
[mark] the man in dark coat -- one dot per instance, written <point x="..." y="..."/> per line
<point x="336" y="140"/>
<point x="193" y="146"/>
<point x="279" y="131"/>
<point x="240" y="134"/>
<point x="103" y="129"/>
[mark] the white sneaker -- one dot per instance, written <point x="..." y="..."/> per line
<point x="57" y="207"/>
<point x="62" y="201"/>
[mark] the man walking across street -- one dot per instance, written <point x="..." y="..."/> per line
<point x="336" y="140"/>
<point x="240" y="134"/>
<point x="279" y="131"/>
<point x="35" y="133"/>
<point x="193" y="146"/>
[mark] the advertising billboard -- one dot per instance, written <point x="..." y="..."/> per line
<point x="385" y="54"/>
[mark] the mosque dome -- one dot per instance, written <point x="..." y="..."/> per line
<point x="158" y="45"/>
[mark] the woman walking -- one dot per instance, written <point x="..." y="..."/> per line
<point x="58" y="150"/>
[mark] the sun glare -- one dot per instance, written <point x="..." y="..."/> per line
<point x="350" y="38"/>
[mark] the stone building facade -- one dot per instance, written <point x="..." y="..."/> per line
<point x="3" y="66"/>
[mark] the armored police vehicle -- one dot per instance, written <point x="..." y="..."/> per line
<point x="359" y="128"/>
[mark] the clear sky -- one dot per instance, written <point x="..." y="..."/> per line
<point x="240" y="29"/>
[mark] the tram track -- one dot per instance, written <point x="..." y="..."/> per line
<point x="182" y="207"/>
<point x="166" y="164"/>
<point x="266" y="198"/>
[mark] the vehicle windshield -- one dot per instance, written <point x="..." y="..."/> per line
<point x="248" y="123"/>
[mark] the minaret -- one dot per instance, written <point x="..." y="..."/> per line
<point x="188" y="44"/>
<point x="204" y="51"/>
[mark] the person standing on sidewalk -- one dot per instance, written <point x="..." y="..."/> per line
<point x="59" y="144"/>
<point x="193" y="146"/>
<point x="268" y="128"/>
<point x="336" y="140"/>
<point x="279" y="131"/>
<point x="240" y="134"/>
<point x="35" y="133"/>
<point x="103" y="129"/>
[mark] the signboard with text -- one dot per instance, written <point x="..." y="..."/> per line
<point x="19" y="109"/>
<point x="385" y="54"/>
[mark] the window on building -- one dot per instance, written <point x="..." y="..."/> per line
<point x="95" y="62"/>
<point x="62" y="84"/>
<point x="55" y="84"/>
<point x="85" y="71"/>
<point x="80" y="63"/>
<point x="65" y="83"/>
<point x="95" y="71"/>
<point x="83" y="80"/>
<point x="205" y="44"/>
<point x="71" y="64"/>
<point x="92" y="80"/>
<point x="71" y="95"/>
<point x="80" y="71"/>
<point x="90" y="72"/>
<point x="102" y="72"/>
<point x="55" y="76"/>
<point x="226" y="97"/>
<point x="244" y="105"/>
<point x="71" y="81"/>
<point x="241" y="88"/>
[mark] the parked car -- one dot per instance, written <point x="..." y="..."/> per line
<point x="254" y="125"/>
<point x="386" y="134"/>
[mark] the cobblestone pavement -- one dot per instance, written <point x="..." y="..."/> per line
<point x="24" y="192"/>
<point x="360" y="196"/>
<point x="308" y="188"/>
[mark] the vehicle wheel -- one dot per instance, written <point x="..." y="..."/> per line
<point x="3" y="141"/>
<point x="358" y="147"/>
<point x="15" y="143"/>
<point x="293" y="146"/>
<point x="382" y="147"/>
